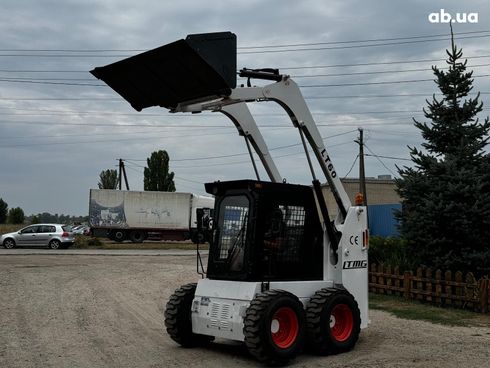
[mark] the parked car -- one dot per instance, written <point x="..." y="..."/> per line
<point x="53" y="236"/>
<point x="81" y="230"/>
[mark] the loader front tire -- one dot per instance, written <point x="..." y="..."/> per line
<point x="333" y="321"/>
<point x="178" y="318"/>
<point x="274" y="327"/>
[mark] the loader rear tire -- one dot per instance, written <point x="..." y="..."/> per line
<point x="333" y="321"/>
<point x="274" y="327"/>
<point x="178" y="318"/>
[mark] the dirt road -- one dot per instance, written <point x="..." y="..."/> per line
<point x="102" y="311"/>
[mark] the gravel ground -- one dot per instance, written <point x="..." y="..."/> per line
<point x="99" y="311"/>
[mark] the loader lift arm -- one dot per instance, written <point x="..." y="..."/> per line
<point x="288" y="95"/>
<point x="243" y="120"/>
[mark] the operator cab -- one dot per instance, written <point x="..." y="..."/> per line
<point x="265" y="231"/>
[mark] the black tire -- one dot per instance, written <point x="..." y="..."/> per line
<point x="137" y="236"/>
<point x="178" y="318"/>
<point x="333" y="321"/>
<point x="274" y="327"/>
<point x="54" y="244"/>
<point x="9" y="243"/>
<point x="198" y="237"/>
<point x="118" y="235"/>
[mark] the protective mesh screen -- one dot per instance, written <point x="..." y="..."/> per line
<point x="234" y="213"/>
<point x="283" y="237"/>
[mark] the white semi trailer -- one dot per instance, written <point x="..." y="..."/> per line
<point x="136" y="216"/>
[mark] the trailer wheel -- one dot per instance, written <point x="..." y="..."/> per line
<point x="137" y="236"/>
<point x="118" y="235"/>
<point x="178" y="318"/>
<point x="274" y="327"/>
<point x="333" y="321"/>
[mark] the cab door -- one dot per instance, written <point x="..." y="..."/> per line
<point x="27" y="236"/>
<point x="44" y="235"/>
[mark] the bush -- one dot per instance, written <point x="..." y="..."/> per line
<point x="398" y="252"/>
<point x="392" y="251"/>
<point x="82" y="241"/>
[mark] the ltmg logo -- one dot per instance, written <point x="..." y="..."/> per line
<point x="443" y="17"/>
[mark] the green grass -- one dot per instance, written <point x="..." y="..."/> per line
<point x="86" y="242"/>
<point x="152" y="245"/>
<point x="419" y="311"/>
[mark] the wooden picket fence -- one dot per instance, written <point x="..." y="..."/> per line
<point x="432" y="286"/>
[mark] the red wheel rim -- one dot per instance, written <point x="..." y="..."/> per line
<point x="341" y="322"/>
<point x="284" y="327"/>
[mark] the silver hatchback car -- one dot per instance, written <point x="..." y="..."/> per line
<point x="53" y="236"/>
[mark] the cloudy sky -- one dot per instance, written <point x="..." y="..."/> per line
<point x="359" y="64"/>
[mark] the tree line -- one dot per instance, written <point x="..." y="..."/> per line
<point x="16" y="216"/>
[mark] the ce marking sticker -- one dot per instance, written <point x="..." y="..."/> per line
<point x="354" y="240"/>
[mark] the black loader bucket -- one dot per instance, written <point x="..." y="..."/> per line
<point x="201" y="67"/>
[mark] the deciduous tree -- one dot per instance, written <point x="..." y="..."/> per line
<point x="3" y="211"/>
<point x="16" y="216"/>
<point x="108" y="179"/>
<point x="156" y="175"/>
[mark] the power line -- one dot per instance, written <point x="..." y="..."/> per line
<point x="248" y="161"/>
<point x="356" y="46"/>
<point x="21" y="79"/>
<point x="375" y="63"/>
<point x="175" y="177"/>
<point x="302" y="86"/>
<point x="55" y="83"/>
<point x="360" y="41"/>
<point x="103" y="113"/>
<point x="253" y="47"/>
<point x="188" y="180"/>
<point x="260" y="46"/>
<point x="61" y="99"/>
<point x="377" y="83"/>
<point x="306" y="97"/>
<point x="246" y="153"/>
<point x="381" y="72"/>
<point x="395" y="62"/>
<point x="378" y="158"/>
<point x="389" y="157"/>
<point x="352" y="166"/>
<point x="94" y="54"/>
<point x="384" y="96"/>
<point x="110" y="134"/>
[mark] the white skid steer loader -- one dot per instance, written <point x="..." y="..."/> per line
<point x="281" y="274"/>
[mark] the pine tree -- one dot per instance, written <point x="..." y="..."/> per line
<point x="156" y="175"/>
<point x="446" y="194"/>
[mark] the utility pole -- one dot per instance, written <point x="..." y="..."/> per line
<point x="122" y="171"/>
<point x="362" y="174"/>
